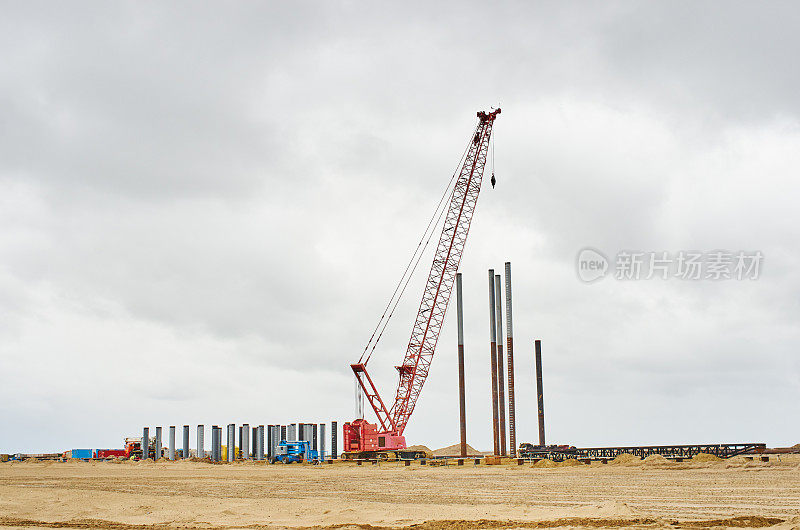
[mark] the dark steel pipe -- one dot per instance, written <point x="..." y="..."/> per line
<point x="512" y="423"/>
<point x="462" y="402"/>
<point x="215" y="452"/>
<point x="145" y="443"/>
<point x="158" y="443"/>
<point x="501" y="382"/>
<point x="334" y="440"/>
<point x="493" y="349"/>
<point x="539" y="391"/>
<point x="231" y="449"/>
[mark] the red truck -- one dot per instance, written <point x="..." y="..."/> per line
<point x="133" y="448"/>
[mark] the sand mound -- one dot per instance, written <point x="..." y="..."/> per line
<point x="455" y="450"/>
<point x="626" y="459"/>
<point x="545" y="463"/>
<point x="705" y="457"/>
<point x="424" y="448"/>
<point x="569" y="462"/>
<point x="653" y="460"/>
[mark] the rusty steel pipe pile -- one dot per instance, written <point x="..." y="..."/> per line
<point x="462" y="402"/>
<point x="512" y="421"/>
<point x="493" y="353"/>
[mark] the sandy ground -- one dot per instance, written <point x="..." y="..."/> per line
<point x="190" y="494"/>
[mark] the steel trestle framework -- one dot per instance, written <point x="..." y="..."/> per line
<point x="559" y="454"/>
<point x="430" y="316"/>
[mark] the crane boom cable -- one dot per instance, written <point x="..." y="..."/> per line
<point x="429" y="231"/>
<point x="408" y="279"/>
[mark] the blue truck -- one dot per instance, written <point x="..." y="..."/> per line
<point x="299" y="451"/>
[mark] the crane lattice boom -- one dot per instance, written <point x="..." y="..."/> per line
<point x="436" y="296"/>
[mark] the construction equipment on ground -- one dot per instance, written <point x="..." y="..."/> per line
<point x="133" y="449"/>
<point x="298" y="451"/>
<point x="385" y="439"/>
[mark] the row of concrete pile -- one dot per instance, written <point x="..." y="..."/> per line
<point x="256" y="443"/>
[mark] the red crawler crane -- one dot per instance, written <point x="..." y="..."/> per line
<point x="386" y="440"/>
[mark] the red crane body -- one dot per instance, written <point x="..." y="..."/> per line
<point x="361" y="436"/>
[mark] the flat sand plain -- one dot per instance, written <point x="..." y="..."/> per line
<point x="654" y="494"/>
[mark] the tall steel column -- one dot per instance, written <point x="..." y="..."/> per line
<point x="539" y="391"/>
<point x="314" y="437"/>
<point x="219" y="444"/>
<point x="334" y="440"/>
<point x="493" y="351"/>
<point x="214" y="442"/>
<point x="462" y="402"/>
<point x="145" y="443"/>
<point x="213" y="452"/>
<point x="291" y="432"/>
<point x="501" y="379"/>
<point x="231" y="442"/>
<point x="322" y="442"/>
<point x="254" y="442"/>
<point x="244" y="441"/>
<point x="201" y="442"/>
<point x="512" y="419"/>
<point x="172" y="442"/>
<point x="158" y="443"/>
<point x="282" y="434"/>
<point x="261" y="442"/>
<point x="270" y="438"/>
<point x="185" y="441"/>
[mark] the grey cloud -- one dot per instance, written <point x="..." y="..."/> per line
<point x="230" y="192"/>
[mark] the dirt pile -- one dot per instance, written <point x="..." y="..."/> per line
<point x="424" y="448"/>
<point x="455" y="450"/>
<point x="626" y="459"/>
<point x="705" y="457"/>
<point x="655" y="460"/>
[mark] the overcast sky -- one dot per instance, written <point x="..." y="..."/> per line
<point x="205" y="206"/>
